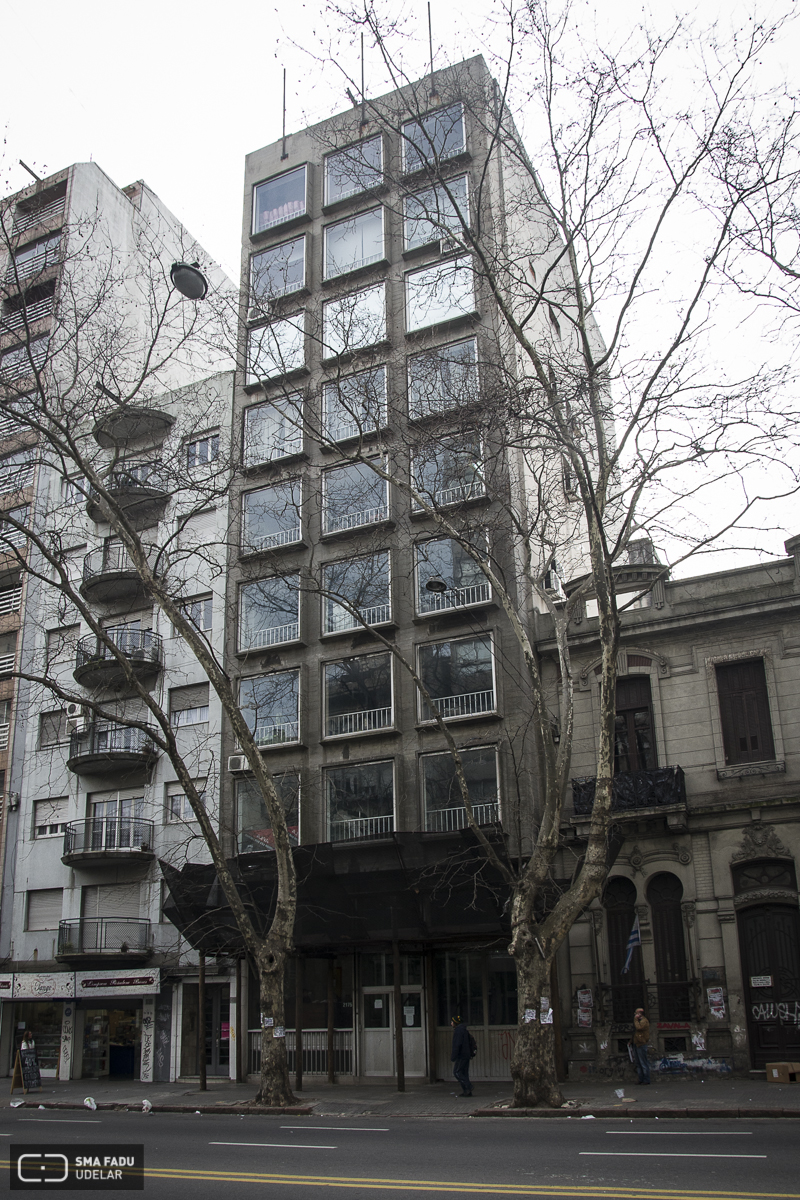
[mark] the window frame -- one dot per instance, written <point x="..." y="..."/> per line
<point x="60" y="825"/>
<point x="488" y="636"/>
<point x="451" y="607"/>
<point x="327" y="600"/>
<point x="294" y="216"/>
<point x="371" y="762"/>
<point x="460" y="263"/>
<point x="211" y="439"/>
<point x="329" y="201"/>
<point x="170" y="794"/>
<point x="359" y="264"/>
<point x="246" y="548"/>
<point x="726" y="769"/>
<point x="328" y="349"/>
<point x="407" y="144"/>
<point x="430" y="754"/>
<point x="285" y="360"/>
<point x="415" y="415"/>
<point x="277" y="777"/>
<point x="441" y="234"/>
<point x="63" y="735"/>
<point x="289" y="741"/>
<point x="255" y="298"/>
<point x="241" y="648"/>
<point x="334" y="387"/>
<point x="295" y="399"/>
<point x="326" y="716"/>
<point x="384" y="509"/>
<point x="445" y="443"/>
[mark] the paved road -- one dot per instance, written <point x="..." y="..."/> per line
<point x="214" y="1156"/>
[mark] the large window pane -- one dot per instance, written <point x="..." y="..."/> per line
<point x="459" y="979"/>
<point x="438" y="135"/>
<point x="439" y="293"/>
<point x="444" y="804"/>
<point x="269" y="705"/>
<point x="431" y="215"/>
<point x="355" y="405"/>
<point x="501" y="992"/>
<point x="353" y="170"/>
<point x="353" y="496"/>
<point x="278" y="271"/>
<point x="449" y="470"/>
<point x="446" y="561"/>
<point x="354" y="321"/>
<point x="279" y="199"/>
<point x="271" y="517"/>
<point x="459" y="677"/>
<point x="358" y="694"/>
<point x="273" y="430"/>
<point x="276" y="349"/>
<point x="360" y="800"/>
<point x="364" y="583"/>
<point x="353" y="243"/>
<point x="269" y="612"/>
<point x="255" y="823"/>
<point x="443" y="379"/>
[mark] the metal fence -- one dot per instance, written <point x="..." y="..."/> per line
<point x="98" y="936"/>
<point x="361" y="827"/>
<point x="108" y="833"/>
<point x="315" y="1051"/>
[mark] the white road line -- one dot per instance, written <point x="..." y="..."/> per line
<point x="276" y="1145"/>
<point x="55" y="1121"/>
<point x="679" y="1133"/>
<point x="659" y="1154"/>
<point x="336" y="1128"/>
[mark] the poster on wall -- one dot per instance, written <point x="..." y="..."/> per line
<point x="716" y="1002"/>
<point x="584" y="1018"/>
<point x="143" y="982"/>
<point x="585" y="998"/>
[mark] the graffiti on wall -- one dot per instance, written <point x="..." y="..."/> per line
<point x="786" y="1012"/>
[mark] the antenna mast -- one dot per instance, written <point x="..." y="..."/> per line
<point x="434" y="95"/>
<point x="363" y="97"/>
<point x="283" y="152"/>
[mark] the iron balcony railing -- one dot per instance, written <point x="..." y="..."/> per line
<point x="632" y="790"/>
<point x="108" y="560"/>
<point x="26" y="218"/>
<point x="315" y="1051"/>
<point x="273" y="636"/>
<point x="107" y="738"/>
<point x="271" y="449"/>
<point x="367" y="516"/>
<point x="361" y="827"/>
<point x="10" y="428"/>
<point x="337" y="431"/>
<point x="139" y="645"/>
<point x="340" y="619"/>
<point x="104" y="936"/>
<point x="17" y="476"/>
<point x="102" y="834"/>
<point x="138" y="474"/>
<point x="23" y="361"/>
<point x="9" y="536"/>
<point x="10" y="601"/>
<point x="274" y="734"/>
<point x="33" y="265"/>
<point x="460" y="597"/>
<point x="26" y="316"/>
<point x="468" y="705"/>
<point x="359" y="722"/>
<point x="443" y="820"/>
<point x="269" y="541"/>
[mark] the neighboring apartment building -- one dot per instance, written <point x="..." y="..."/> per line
<point x="89" y="961"/>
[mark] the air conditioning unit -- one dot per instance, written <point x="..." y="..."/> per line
<point x="237" y="762"/>
<point x="76" y="718"/>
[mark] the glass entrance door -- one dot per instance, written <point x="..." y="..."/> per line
<point x="218" y="1030"/>
<point x="378" y="1029"/>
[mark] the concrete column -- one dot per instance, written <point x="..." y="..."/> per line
<point x="148" y="1038"/>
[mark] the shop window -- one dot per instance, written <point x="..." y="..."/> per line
<point x="664" y="894"/>
<point x="354" y="170"/>
<point x="449" y="471"/>
<point x="360" y="801"/>
<point x="355" y="405"/>
<point x="744" y="712"/>
<point x="255" y="823"/>
<point x="354" y="243"/>
<point x="458" y="579"/>
<point x="365" y="585"/>
<point x="358" y="694"/>
<point x="627" y="990"/>
<point x="459" y="676"/>
<point x="280" y="199"/>
<point x="634" y="744"/>
<point x="432" y="215"/>
<point x="444" y="805"/>
<point x="276" y="349"/>
<point x="278" y="271"/>
<point x="53" y="729"/>
<point x="270" y="707"/>
<point x="188" y="705"/>
<point x="440" y="293"/>
<point x="44" y="909"/>
<point x="435" y="137"/>
<point x="273" y="431"/>
<point x="269" y="612"/>
<point x="354" y="322"/>
<point x="443" y="379"/>
<point x="50" y="817"/>
<point x="271" y="517"/>
<point x="353" y="496"/>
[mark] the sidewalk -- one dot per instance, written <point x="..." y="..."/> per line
<point x="664" y="1098"/>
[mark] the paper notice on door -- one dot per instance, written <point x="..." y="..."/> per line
<point x="530" y="1015"/>
<point x="408" y="1013"/>
<point x="378" y="1002"/>
<point x="547" y="1017"/>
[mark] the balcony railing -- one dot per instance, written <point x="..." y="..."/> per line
<point x="442" y="820"/>
<point x="33" y="265"/>
<point x="100" y="937"/>
<point x="109" y="560"/>
<point x="633" y="790"/>
<point x="19" y="364"/>
<point x="140" y="646"/>
<point x="468" y="705"/>
<point x="256" y="453"/>
<point x="26" y="316"/>
<point x="7" y="662"/>
<point x="26" y="218"/>
<point x="100" y="835"/>
<point x="4" y="732"/>
<point x="337" y="431"/>
<point x="273" y="636"/>
<point x="10" y="428"/>
<point x="338" y="622"/>
<point x="273" y="735"/>
<point x="16" y="477"/>
<point x="10" y="601"/>
<point x="105" y="738"/>
<point x="477" y="593"/>
<point x="315" y="1051"/>
<point x="359" y="722"/>
<point x="367" y="516"/>
<point x="9" y="536"/>
<point x="269" y="541"/>
<point x="361" y="827"/>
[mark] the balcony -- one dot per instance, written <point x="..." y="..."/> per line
<point x="26" y="316"/>
<point x="110" y="749"/>
<point x="27" y="218"/>
<point x="7" y="663"/>
<point x="359" y="722"/>
<point x="139" y="488"/>
<point x="634" y="791"/>
<point x="96" y="664"/>
<point x="109" y="574"/>
<point x="471" y="704"/>
<point x="445" y="820"/>
<point x="354" y="520"/>
<point x="108" y="839"/>
<point x="341" y="621"/>
<point x="127" y="424"/>
<point x="116" y="940"/>
<point x="362" y="827"/>
<point x="277" y="734"/>
<point x="273" y="636"/>
<point x="459" y="597"/>
<point x="10" y="601"/>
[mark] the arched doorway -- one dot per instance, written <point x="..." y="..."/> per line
<point x="627" y="991"/>
<point x="664" y="894"/>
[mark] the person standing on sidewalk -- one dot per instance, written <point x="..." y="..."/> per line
<point x="460" y="1055"/>
<point x="641" y="1037"/>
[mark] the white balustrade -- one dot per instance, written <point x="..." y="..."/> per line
<point x="359" y="722"/>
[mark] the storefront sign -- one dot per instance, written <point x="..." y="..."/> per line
<point x="6" y="985"/>
<point x="144" y="982"/>
<point x="58" y="986"/>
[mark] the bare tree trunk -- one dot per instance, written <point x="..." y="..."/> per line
<point x="201" y="1024"/>
<point x="298" y="1023"/>
<point x="533" y="1065"/>
<point x="275" y="1087"/>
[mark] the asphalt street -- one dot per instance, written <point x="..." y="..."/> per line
<point x="209" y="1155"/>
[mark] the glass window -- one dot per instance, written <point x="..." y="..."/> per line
<point x="50" y="817"/>
<point x="273" y="430"/>
<point x="360" y="800"/>
<point x="53" y="729"/>
<point x="23" y="360"/>
<point x="276" y="349"/>
<point x="444" y="805"/>
<point x="178" y="807"/>
<point x="16" y="470"/>
<point x="459" y="676"/>
<point x="203" y="450"/>
<point x="354" y="321"/>
<point x="255" y="823"/>
<point x="36" y="257"/>
<point x="449" y="471"/>
<point x="269" y="705"/>
<point x="447" y="562"/>
<point x="438" y="135"/>
<point x="200" y="611"/>
<point x="364" y="584"/>
<point x="269" y="612"/>
<point x="459" y="990"/>
<point x="354" y="170"/>
<point x="280" y="199"/>
<point x="353" y="243"/>
<point x="358" y="694"/>
<point x="355" y="405"/>
<point x="353" y="496"/>
<point x="432" y="215"/>
<point x="634" y="748"/>
<point x="189" y="705"/>
<point x="278" y="271"/>
<point x="271" y="517"/>
<point x="443" y="379"/>
<point x="439" y="293"/>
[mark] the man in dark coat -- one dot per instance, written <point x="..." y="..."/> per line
<point x="461" y="1054"/>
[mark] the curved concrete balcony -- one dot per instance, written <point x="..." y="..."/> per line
<point x="128" y="424"/>
<point x="109" y="575"/>
<point x="99" y="939"/>
<point x="107" y="749"/>
<point x="104" y="840"/>
<point x="139" y="488"/>
<point x="97" y="664"/>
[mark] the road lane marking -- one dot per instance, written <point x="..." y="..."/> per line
<point x="660" y="1154"/>
<point x="276" y="1145"/>
<point x="54" y="1121"/>
<point x="678" y="1133"/>
<point x="337" y="1128"/>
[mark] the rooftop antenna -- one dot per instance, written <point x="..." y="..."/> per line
<point x="283" y="152"/>
<point x="434" y="95"/>
<point x="363" y="97"/>
<point x="30" y="171"/>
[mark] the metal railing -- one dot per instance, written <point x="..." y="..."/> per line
<point x="7" y="662"/>
<point x="367" y="516"/>
<point x="359" y="722"/>
<point x="476" y="593"/>
<point x="338" y="622"/>
<point x="273" y="636"/>
<point x="98" y="935"/>
<point x="138" y="474"/>
<point x="463" y="491"/>
<point x="315" y="1051"/>
<point x="633" y="789"/>
<point x="272" y="735"/>
<point x="140" y="645"/>
<point x="268" y="450"/>
<point x="11" y="536"/>
<point x="10" y="428"/>
<point x="104" y="738"/>
<point x="466" y="705"/>
<point x="334" y="271"/>
<point x="108" y="560"/>
<point x="361" y="827"/>
<point x="17" y="476"/>
<point x="442" y="820"/>
<point x="10" y="601"/>
<point x="27" y="315"/>
<point x="337" y="431"/>
<point x="23" y="361"/>
<point x="26" y="218"/>
<point x="33" y="265"/>
<point x="4" y="732"/>
<point x="101" y="834"/>
<point x="283" y="537"/>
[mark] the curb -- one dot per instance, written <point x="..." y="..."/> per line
<point x="113" y="1106"/>
<point x="617" y="1113"/>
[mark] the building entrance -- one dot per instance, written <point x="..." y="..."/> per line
<point x="378" y="1032"/>
<point x="216" y="1029"/>
<point x="112" y="1041"/>
<point x="769" y="941"/>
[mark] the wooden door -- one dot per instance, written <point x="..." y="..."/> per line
<point x="769" y="943"/>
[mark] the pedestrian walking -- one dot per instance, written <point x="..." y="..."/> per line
<point x="463" y="1050"/>
<point x="641" y="1037"/>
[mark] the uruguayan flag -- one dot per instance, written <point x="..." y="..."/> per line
<point x="634" y="940"/>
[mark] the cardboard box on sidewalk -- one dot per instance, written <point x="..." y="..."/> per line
<point x="783" y="1072"/>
